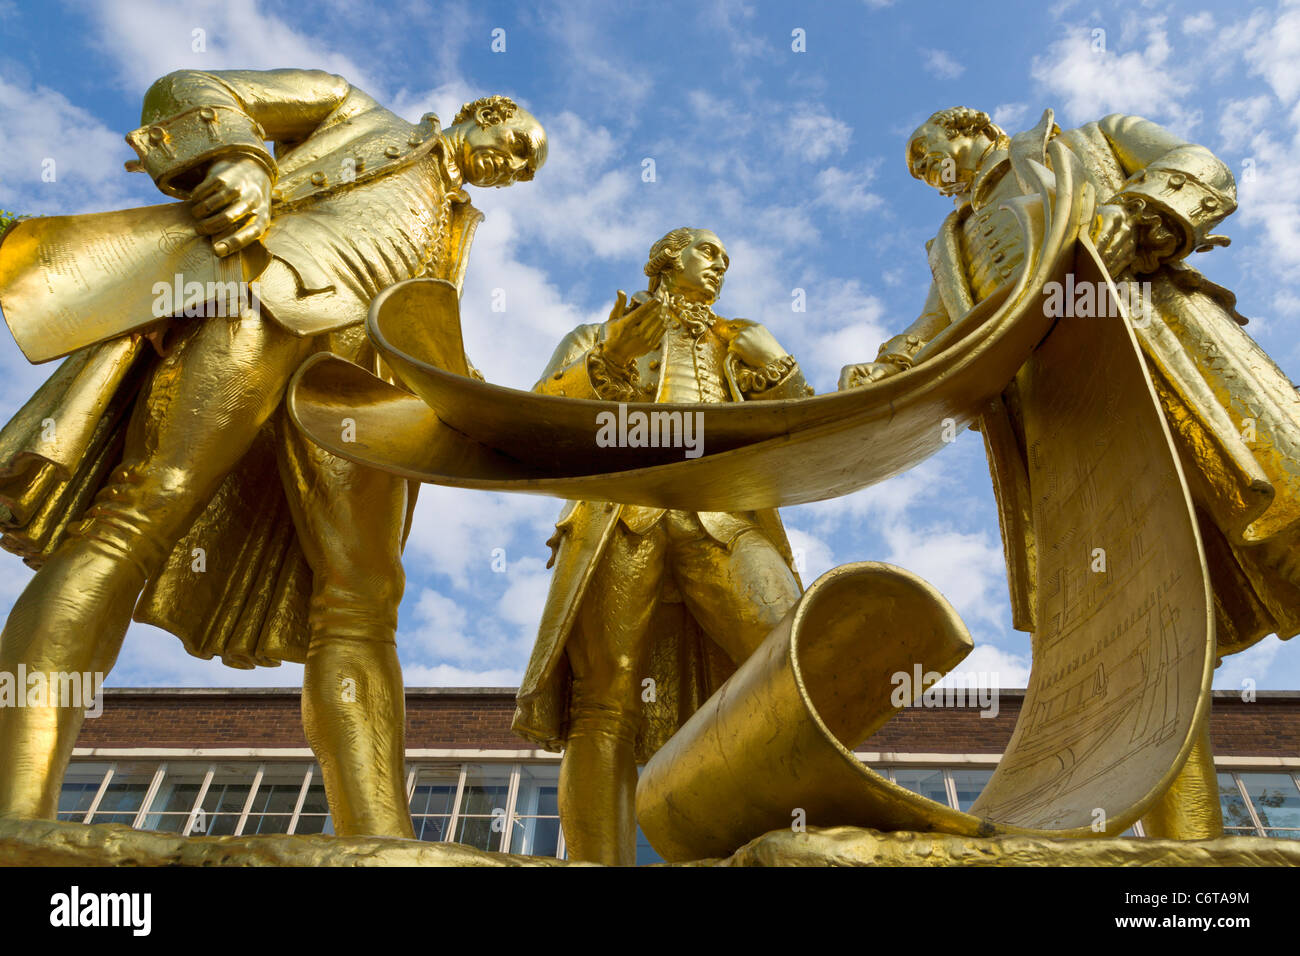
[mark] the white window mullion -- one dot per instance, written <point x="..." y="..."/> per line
<point x="950" y="787"/>
<point x="455" y="807"/>
<point x="252" y="795"/>
<point x="410" y="786"/>
<point x="302" y="797"/>
<point x="99" y="794"/>
<point x="512" y="791"/>
<point x="149" y="796"/>
<point x="197" y="808"/>
<point x="1250" y="806"/>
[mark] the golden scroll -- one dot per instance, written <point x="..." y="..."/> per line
<point x="67" y="282"/>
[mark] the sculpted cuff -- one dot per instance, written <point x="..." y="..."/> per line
<point x="176" y="151"/>
<point x="612" y="382"/>
<point x="1191" y="192"/>
<point x="753" y="381"/>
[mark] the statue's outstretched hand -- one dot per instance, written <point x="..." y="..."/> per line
<point x="233" y="204"/>
<point x="855" y="376"/>
<point x="631" y="335"/>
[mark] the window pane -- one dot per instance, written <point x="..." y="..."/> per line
<point x="431" y="829"/>
<point x="539" y="788"/>
<point x="125" y="793"/>
<point x="435" y="790"/>
<point x="1276" y="799"/>
<point x="536" y="836"/>
<point x="175" y="798"/>
<point x="969" y="784"/>
<point x="275" y="799"/>
<point x="80" y="784"/>
<point x="224" y="801"/>
<point x="1236" y="818"/>
<point x="928" y="783"/>
<point x="486" y="786"/>
<point x="478" y="832"/>
<point x="314" y="823"/>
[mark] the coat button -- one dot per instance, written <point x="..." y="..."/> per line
<point x="207" y="114"/>
<point x="318" y="178"/>
<point x="1209" y="204"/>
<point x="157" y="134"/>
<point x="1177" y="180"/>
<point x="416" y="139"/>
<point x="392" y="152"/>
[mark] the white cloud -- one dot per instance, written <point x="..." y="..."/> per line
<point x="989" y="666"/>
<point x="1253" y="665"/>
<point x="1199" y="24"/>
<point x="1091" y="83"/>
<point x="151" y="657"/>
<point x="1009" y="115"/>
<point x="447" y="675"/>
<point x="149" y="38"/>
<point x="59" y="158"/>
<point x="814" y="135"/>
<point x="845" y="192"/>
<point x="941" y="64"/>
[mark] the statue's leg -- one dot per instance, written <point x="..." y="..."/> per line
<point x="350" y="521"/>
<point x="1190" y="808"/>
<point x="608" y="657"/>
<point x="197" y="416"/>
<point x="738" y="593"/>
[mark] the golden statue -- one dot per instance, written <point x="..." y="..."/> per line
<point x="1234" y="416"/>
<point x="156" y="474"/>
<point x="650" y="609"/>
<point x="1122" y="660"/>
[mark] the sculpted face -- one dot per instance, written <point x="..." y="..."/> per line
<point x="945" y="160"/>
<point x="503" y="153"/>
<point x="704" y="264"/>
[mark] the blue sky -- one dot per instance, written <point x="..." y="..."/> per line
<point x="794" y="158"/>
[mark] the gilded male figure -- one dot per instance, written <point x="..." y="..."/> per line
<point x="1234" y="416"/>
<point x="651" y="609"/>
<point x="248" y="540"/>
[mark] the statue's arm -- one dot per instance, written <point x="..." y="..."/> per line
<point x="578" y="370"/>
<point x="1177" y="191"/>
<point x="191" y="119"/>
<point x="762" y="369"/>
<point x="899" y="352"/>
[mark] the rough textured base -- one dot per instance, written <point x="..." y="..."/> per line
<point x="852" y="846"/>
<point x="43" y="843"/>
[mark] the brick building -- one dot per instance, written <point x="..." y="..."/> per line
<point x="223" y="761"/>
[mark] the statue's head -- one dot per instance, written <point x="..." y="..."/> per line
<point x="690" y="263"/>
<point x="497" y="142"/>
<point x="945" y="150"/>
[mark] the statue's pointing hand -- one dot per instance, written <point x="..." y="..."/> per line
<point x="233" y="204"/>
<point x="632" y="335"/>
